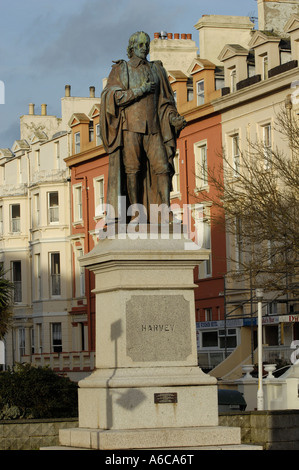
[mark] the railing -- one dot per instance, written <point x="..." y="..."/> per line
<point x="274" y="354"/>
<point x="74" y="361"/>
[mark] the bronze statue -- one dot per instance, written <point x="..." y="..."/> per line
<point x="139" y="128"/>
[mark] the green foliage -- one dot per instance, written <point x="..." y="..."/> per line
<point x="6" y="291"/>
<point x="36" y="392"/>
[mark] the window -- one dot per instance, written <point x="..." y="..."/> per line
<point x="99" y="196"/>
<point x="219" y="339"/>
<point x="36" y="211"/>
<point x="265" y="62"/>
<point x="1" y="220"/>
<point x="219" y="83"/>
<point x="80" y="275"/>
<point x="53" y="207"/>
<point x="208" y="314"/>
<point x="267" y="143"/>
<point x="203" y="236"/>
<point x="200" y="92"/>
<point x="77" y="142"/>
<point x="57" y="154"/>
<point x="176" y="176"/>
<point x="190" y="89"/>
<point x="55" y="286"/>
<point x="56" y="337"/>
<point x="21" y="342"/>
<point x="37" y="159"/>
<point x="201" y="164"/>
<point x="77" y="193"/>
<point x="15" y="218"/>
<point x="90" y="131"/>
<point x="236" y="154"/>
<point x="37" y="275"/>
<point x="98" y="135"/>
<point x="17" y="280"/>
<point x="233" y="79"/>
<point x="238" y="243"/>
<point x="229" y="339"/>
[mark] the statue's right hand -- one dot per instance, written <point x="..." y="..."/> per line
<point x="148" y="87"/>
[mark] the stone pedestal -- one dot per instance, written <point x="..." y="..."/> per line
<point x="146" y="391"/>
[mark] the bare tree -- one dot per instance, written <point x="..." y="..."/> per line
<point x="260" y="202"/>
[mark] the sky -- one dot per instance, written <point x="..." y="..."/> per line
<point x="47" y="44"/>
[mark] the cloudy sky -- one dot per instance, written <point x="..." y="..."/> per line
<point x="46" y="44"/>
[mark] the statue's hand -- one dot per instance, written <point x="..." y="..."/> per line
<point x="178" y="122"/>
<point x="148" y="87"/>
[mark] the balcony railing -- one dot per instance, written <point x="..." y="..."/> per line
<point x="75" y="361"/>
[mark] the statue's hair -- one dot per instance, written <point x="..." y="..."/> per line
<point x="132" y="42"/>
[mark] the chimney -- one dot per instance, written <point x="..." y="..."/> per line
<point x="91" y="92"/>
<point x="31" y="108"/>
<point x="67" y="90"/>
<point x="44" y="110"/>
<point x="169" y="35"/>
<point x="183" y="36"/>
<point x="156" y="35"/>
<point x="176" y="36"/>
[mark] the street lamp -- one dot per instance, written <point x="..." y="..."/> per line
<point x="260" y="394"/>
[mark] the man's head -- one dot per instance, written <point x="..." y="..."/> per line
<point x="139" y="44"/>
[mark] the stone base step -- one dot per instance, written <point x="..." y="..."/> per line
<point x="208" y="437"/>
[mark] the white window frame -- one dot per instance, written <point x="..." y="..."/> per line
<point x="235" y="145"/>
<point x="201" y="214"/>
<point x="53" y="210"/>
<point x="267" y="143"/>
<point x="265" y="66"/>
<point x="201" y="165"/>
<point x="200" y="92"/>
<point x="98" y="135"/>
<point x="15" y="222"/>
<point x="36" y="210"/>
<point x="77" y="201"/>
<point x="56" y="336"/>
<point x="176" y="177"/>
<point x="38" y="278"/>
<point x="99" y="196"/>
<point x="17" y="280"/>
<point x="77" y="142"/>
<point x="80" y="274"/>
<point x="233" y="79"/>
<point x="55" y="274"/>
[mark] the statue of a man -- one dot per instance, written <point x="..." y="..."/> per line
<point x="139" y="128"/>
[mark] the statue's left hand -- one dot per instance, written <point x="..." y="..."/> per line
<point x="178" y="122"/>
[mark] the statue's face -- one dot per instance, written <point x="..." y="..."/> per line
<point x="141" y="46"/>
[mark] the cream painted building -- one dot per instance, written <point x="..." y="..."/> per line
<point x="35" y="243"/>
<point x="261" y="79"/>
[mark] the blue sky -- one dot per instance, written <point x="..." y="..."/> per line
<point x="47" y="44"/>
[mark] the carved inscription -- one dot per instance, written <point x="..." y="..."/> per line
<point x="158" y="328"/>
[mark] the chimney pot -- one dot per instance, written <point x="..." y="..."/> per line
<point x="67" y="90"/>
<point x="189" y="36"/>
<point x="183" y="36"/>
<point x="156" y="35"/>
<point x="31" y="108"/>
<point x="169" y="35"/>
<point x="91" y="91"/>
<point x="176" y="36"/>
<point x="44" y="109"/>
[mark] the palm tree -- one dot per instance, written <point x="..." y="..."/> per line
<point x="6" y="300"/>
